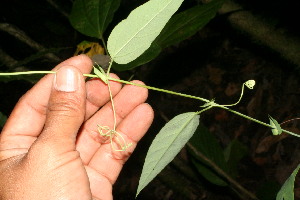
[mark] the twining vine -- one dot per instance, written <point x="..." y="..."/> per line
<point x="128" y="41"/>
<point x="100" y="73"/>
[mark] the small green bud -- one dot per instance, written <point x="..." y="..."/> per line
<point x="250" y="84"/>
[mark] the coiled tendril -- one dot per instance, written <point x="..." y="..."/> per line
<point x="107" y="132"/>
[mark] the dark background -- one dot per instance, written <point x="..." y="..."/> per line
<point x="211" y="64"/>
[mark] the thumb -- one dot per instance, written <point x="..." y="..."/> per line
<point x="66" y="109"/>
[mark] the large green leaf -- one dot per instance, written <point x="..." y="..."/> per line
<point x="166" y="145"/>
<point x="205" y="143"/>
<point x="287" y="190"/>
<point x="180" y="27"/>
<point x="233" y="153"/>
<point x="147" y="56"/>
<point x="208" y="174"/>
<point x="187" y="23"/>
<point x="134" y="35"/>
<point x="91" y="17"/>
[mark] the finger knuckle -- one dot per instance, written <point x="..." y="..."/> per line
<point x="66" y="107"/>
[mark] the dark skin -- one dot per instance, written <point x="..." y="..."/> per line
<point x="50" y="147"/>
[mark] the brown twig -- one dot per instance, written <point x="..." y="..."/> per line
<point x="263" y="32"/>
<point x="221" y="172"/>
<point x="7" y="59"/>
<point x="58" y="8"/>
<point x="22" y="36"/>
<point x="10" y="62"/>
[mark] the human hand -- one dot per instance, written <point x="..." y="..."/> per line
<point x="50" y="147"/>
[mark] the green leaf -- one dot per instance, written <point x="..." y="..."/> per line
<point x="180" y="27"/>
<point x="208" y="174"/>
<point x="134" y="35"/>
<point x="187" y="23"/>
<point x="92" y="17"/>
<point x="166" y="145"/>
<point x="101" y="74"/>
<point x="276" y="130"/>
<point x="233" y="153"/>
<point x="147" y="56"/>
<point x="205" y="143"/>
<point x="287" y="190"/>
<point x="3" y="119"/>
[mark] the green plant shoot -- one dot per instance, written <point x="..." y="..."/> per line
<point x="276" y="129"/>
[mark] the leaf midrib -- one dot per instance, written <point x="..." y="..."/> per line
<point x="141" y="29"/>
<point x="171" y="144"/>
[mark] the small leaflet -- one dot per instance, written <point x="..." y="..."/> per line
<point x="276" y="130"/>
<point x="101" y="74"/>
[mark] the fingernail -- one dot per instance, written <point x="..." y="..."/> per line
<point x="66" y="80"/>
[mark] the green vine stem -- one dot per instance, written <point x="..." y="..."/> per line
<point x="26" y="73"/>
<point x="255" y="120"/>
<point x="104" y="44"/>
<point x="210" y="104"/>
<point x="110" y="95"/>
<point x="159" y="89"/>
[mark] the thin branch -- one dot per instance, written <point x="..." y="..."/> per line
<point x="262" y="32"/>
<point x="10" y="62"/>
<point x="7" y="60"/>
<point x="221" y="172"/>
<point x="58" y="8"/>
<point x="22" y="36"/>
